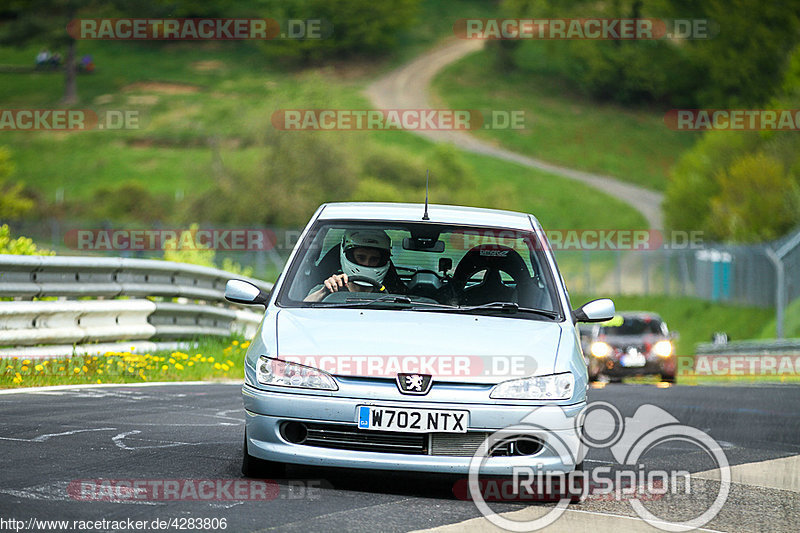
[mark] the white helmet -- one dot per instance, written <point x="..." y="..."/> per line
<point x="365" y="238"/>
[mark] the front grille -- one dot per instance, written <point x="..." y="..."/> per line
<point x="346" y="437"/>
<point x="462" y="444"/>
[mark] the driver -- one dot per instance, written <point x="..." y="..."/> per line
<point x="365" y="253"/>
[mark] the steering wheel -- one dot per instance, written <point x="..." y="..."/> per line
<point x="364" y="279"/>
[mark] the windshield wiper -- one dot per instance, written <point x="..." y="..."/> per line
<point x="505" y="307"/>
<point x="360" y="302"/>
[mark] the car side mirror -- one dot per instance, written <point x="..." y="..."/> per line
<point x="243" y="292"/>
<point x="595" y="311"/>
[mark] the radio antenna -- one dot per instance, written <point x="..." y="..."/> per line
<point x="427" y="175"/>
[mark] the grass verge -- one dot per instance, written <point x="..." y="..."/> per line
<point x="564" y="127"/>
<point x="212" y="359"/>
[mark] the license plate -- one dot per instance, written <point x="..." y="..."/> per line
<point x="412" y="420"/>
<point x="633" y="360"/>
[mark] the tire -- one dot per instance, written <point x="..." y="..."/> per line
<point x="253" y="467"/>
<point x="669" y="378"/>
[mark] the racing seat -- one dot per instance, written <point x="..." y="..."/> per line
<point x="494" y="259"/>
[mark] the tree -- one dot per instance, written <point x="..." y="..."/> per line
<point x="756" y="202"/>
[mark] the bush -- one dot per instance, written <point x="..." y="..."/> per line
<point x="750" y="180"/>
<point x="756" y="201"/>
<point x="130" y="200"/>
<point x="352" y="27"/>
<point x="20" y="245"/>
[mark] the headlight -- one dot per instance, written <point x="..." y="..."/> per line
<point x="271" y="371"/>
<point x="600" y="349"/>
<point x="662" y="348"/>
<point x="553" y="387"/>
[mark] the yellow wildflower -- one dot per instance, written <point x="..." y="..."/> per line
<point x="179" y="366"/>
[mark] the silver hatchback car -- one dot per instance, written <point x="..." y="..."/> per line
<point x="400" y="336"/>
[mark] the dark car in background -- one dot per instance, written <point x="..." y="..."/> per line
<point x="630" y="344"/>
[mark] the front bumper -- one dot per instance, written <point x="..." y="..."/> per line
<point x="267" y="410"/>
<point x="613" y="368"/>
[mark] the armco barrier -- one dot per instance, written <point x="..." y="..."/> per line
<point x="752" y="347"/>
<point x="64" y="323"/>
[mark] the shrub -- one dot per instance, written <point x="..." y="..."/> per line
<point x="19" y="245"/>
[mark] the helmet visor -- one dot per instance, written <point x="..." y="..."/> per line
<point x="367" y="256"/>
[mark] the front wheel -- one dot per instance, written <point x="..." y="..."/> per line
<point x="253" y="467"/>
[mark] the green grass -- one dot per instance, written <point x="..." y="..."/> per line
<point x="557" y="203"/>
<point x="232" y="104"/>
<point x="434" y="22"/>
<point x="693" y="319"/>
<point x="791" y="323"/>
<point x="212" y="359"/>
<point x="563" y="127"/>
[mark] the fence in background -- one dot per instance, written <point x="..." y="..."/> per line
<point x="740" y="274"/>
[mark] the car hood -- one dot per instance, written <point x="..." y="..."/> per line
<point x="451" y="347"/>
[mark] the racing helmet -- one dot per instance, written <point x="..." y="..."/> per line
<point x="376" y="240"/>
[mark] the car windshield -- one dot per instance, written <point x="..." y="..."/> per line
<point x="446" y="268"/>
<point x="635" y="326"/>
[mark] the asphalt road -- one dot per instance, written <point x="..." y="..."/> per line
<point x="49" y="440"/>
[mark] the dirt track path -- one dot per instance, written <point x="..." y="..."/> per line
<point x="408" y="87"/>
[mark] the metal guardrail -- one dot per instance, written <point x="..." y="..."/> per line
<point x="752" y="347"/>
<point x="65" y="323"/>
<point x="29" y="276"/>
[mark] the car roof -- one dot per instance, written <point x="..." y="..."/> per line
<point x="442" y="214"/>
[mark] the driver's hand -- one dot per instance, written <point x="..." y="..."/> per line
<point x="336" y="282"/>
